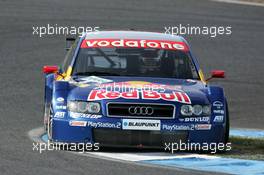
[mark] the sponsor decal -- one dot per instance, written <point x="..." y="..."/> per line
<point x="133" y="124"/>
<point x="181" y="97"/>
<point x="209" y="91"/>
<point x="203" y="126"/>
<point x="77" y="123"/>
<point x="177" y="127"/>
<point x="219" y="118"/>
<point x="61" y="107"/>
<point x="195" y="119"/>
<point x="60" y="99"/>
<point x="191" y="81"/>
<point x="218" y="104"/>
<point x="219" y="111"/>
<point x="94" y="79"/>
<point x="59" y="114"/>
<point x="134" y="43"/>
<point x="104" y="125"/>
<point x="83" y="115"/>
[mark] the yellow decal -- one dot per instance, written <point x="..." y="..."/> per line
<point x="68" y="73"/>
<point x="202" y="76"/>
<point x="65" y="75"/>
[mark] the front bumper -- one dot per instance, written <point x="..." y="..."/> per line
<point x="111" y="132"/>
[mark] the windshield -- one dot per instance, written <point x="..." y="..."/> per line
<point x="139" y="62"/>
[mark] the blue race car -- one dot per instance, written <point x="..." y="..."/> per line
<point x="133" y="89"/>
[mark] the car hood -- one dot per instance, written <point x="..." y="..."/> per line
<point x="155" y="90"/>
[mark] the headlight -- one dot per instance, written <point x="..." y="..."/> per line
<point x="72" y="105"/>
<point x="197" y="110"/>
<point x="93" y="107"/>
<point x="186" y="110"/>
<point x="207" y="110"/>
<point x="84" y="107"/>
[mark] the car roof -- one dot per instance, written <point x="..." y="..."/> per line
<point x="133" y="35"/>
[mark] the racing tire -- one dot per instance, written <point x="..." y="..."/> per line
<point x="226" y="130"/>
<point x="48" y="122"/>
<point x="227" y="125"/>
<point x="46" y="116"/>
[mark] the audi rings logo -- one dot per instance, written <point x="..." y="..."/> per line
<point x="140" y="110"/>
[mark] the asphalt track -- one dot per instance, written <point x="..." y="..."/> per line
<point x="23" y="55"/>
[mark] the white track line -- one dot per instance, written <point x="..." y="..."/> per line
<point x="241" y="2"/>
<point x="35" y="135"/>
<point x="149" y="156"/>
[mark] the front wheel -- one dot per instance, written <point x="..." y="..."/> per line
<point x="46" y="116"/>
<point x="227" y="125"/>
<point x="48" y="120"/>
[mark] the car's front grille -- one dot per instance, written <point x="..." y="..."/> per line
<point x="162" y="111"/>
<point x="134" y="138"/>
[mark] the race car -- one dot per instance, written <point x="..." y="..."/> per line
<point x="133" y="89"/>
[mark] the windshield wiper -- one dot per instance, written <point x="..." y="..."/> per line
<point x="96" y="73"/>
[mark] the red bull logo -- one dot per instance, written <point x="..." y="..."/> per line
<point x="138" y="90"/>
<point x="181" y="97"/>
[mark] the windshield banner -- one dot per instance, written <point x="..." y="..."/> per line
<point x="134" y="43"/>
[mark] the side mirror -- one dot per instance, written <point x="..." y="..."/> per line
<point x="50" y="69"/>
<point x="217" y="74"/>
<point x="69" y="42"/>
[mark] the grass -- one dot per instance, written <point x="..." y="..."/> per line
<point x="246" y="148"/>
<point x="258" y="1"/>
